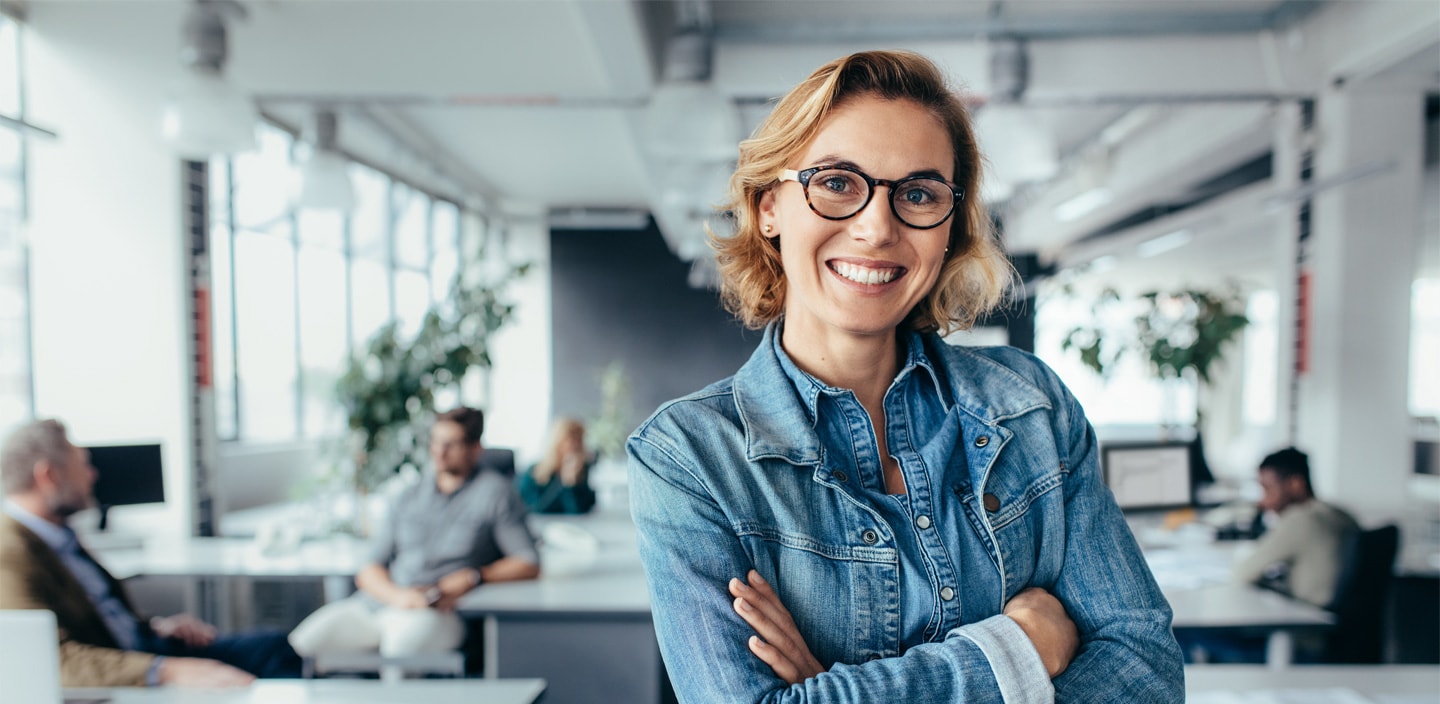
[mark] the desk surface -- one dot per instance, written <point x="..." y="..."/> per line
<point x="604" y="578"/>
<point x="600" y="572"/>
<point x="516" y="691"/>
<point x="339" y="556"/>
<point x="1318" y="682"/>
<point x="1195" y="580"/>
<point x="1243" y="606"/>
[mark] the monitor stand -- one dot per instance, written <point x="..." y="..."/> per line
<point x="103" y="539"/>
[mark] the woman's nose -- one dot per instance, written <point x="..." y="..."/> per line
<point x="876" y="224"/>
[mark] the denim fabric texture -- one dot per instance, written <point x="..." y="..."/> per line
<point x="774" y="471"/>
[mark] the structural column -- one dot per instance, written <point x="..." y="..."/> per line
<point x="1352" y="415"/>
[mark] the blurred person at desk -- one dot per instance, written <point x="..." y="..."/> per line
<point x="103" y="642"/>
<point x="560" y="481"/>
<point x="1302" y="549"/>
<point x="1300" y="554"/>
<point x="445" y="535"/>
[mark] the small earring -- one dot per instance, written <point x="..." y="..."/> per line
<point x="769" y="228"/>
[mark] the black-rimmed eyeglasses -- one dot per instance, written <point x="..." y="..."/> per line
<point x="839" y="192"/>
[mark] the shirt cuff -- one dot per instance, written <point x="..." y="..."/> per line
<point x="1019" y="672"/>
<point x="152" y="675"/>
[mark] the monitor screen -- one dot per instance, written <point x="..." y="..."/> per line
<point x="128" y="474"/>
<point x="1148" y="475"/>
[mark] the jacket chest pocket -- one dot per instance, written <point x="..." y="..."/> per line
<point x="841" y="596"/>
<point x="1021" y="518"/>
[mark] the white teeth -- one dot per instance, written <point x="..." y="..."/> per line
<point x="864" y="275"/>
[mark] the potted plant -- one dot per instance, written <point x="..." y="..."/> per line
<point x="1181" y="334"/>
<point x="388" y="389"/>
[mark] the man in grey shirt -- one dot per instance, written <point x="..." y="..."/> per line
<point x="445" y="535"/>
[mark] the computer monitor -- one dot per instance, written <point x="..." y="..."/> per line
<point x="127" y="474"/>
<point x="1151" y="475"/>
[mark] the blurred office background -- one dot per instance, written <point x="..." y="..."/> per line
<point x="204" y="289"/>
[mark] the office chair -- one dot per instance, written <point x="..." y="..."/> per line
<point x="1366" y="574"/>
<point x="500" y="459"/>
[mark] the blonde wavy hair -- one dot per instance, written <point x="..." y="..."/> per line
<point x="976" y="274"/>
<point x="559" y="430"/>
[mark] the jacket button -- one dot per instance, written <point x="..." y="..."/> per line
<point x="923" y="522"/>
<point x="947" y="593"/>
<point x="840" y="477"/>
<point x="870" y="537"/>
<point x="992" y="503"/>
<point x="982" y="441"/>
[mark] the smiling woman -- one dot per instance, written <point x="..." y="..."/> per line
<point x="862" y="512"/>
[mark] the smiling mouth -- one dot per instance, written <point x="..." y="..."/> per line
<point x="865" y="275"/>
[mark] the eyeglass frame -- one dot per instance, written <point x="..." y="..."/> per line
<point x="803" y="177"/>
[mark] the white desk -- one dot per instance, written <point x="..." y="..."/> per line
<point x="228" y="565"/>
<point x="1195" y="578"/>
<point x="339" y="556"/>
<point x="331" y="692"/>
<point x="584" y="625"/>
<point x="1349" y="684"/>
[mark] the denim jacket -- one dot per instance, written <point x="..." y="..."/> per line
<point x="735" y="477"/>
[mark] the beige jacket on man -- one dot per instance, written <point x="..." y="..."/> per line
<point x="33" y="577"/>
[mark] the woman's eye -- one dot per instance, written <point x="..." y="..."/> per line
<point x="916" y="195"/>
<point x="836" y="184"/>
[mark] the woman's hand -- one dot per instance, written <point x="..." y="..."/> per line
<point x="1050" y="629"/>
<point x="778" y="643"/>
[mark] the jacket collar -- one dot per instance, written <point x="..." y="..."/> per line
<point x="777" y="401"/>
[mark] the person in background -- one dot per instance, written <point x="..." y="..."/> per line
<point x="560" y="481"/>
<point x="103" y="641"/>
<point x="863" y="512"/>
<point x="1300" y="553"/>
<point x="459" y="527"/>
<point x="1303" y="547"/>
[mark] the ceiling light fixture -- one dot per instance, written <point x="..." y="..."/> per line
<point x="1164" y="243"/>
<point x="1083" y="204"/>
<point x="1009" y="69"/>
<point x="207" y="116"/>
<point x="687" y="119"/>
<point x="325" y="174"/>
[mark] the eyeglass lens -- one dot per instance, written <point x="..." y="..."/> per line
<point x="920" y="202"/>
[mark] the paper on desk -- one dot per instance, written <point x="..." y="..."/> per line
<point x="1329" y="695"/>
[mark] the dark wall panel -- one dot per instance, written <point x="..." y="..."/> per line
<point x="621" y="295"/>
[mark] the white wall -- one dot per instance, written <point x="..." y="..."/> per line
<point x="106" y="263"/>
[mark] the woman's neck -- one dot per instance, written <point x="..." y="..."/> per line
<point x="864" y="364"/>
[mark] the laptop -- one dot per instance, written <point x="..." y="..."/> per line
<point x="29" y="657"/>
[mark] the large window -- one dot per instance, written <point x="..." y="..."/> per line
<point x="296" y="292"/>
<point x="16" y="398"/>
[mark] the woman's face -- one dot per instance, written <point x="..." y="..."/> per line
<point x="572" y="442"/>
<point x="862" y="275"/>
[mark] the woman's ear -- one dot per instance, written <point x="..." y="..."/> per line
<point x="767" y="224"/>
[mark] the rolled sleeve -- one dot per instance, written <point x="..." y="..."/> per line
<point x="1019" y="671"/>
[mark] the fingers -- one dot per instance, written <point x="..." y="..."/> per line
<point x="764" y="613"/>
<point x="779" y="642"/>
<point x="770" y="655"/>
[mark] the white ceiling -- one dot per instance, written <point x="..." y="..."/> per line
<point x="527" y="106"/>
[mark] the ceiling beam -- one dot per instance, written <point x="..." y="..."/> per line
<point x="1124" y="22"/>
